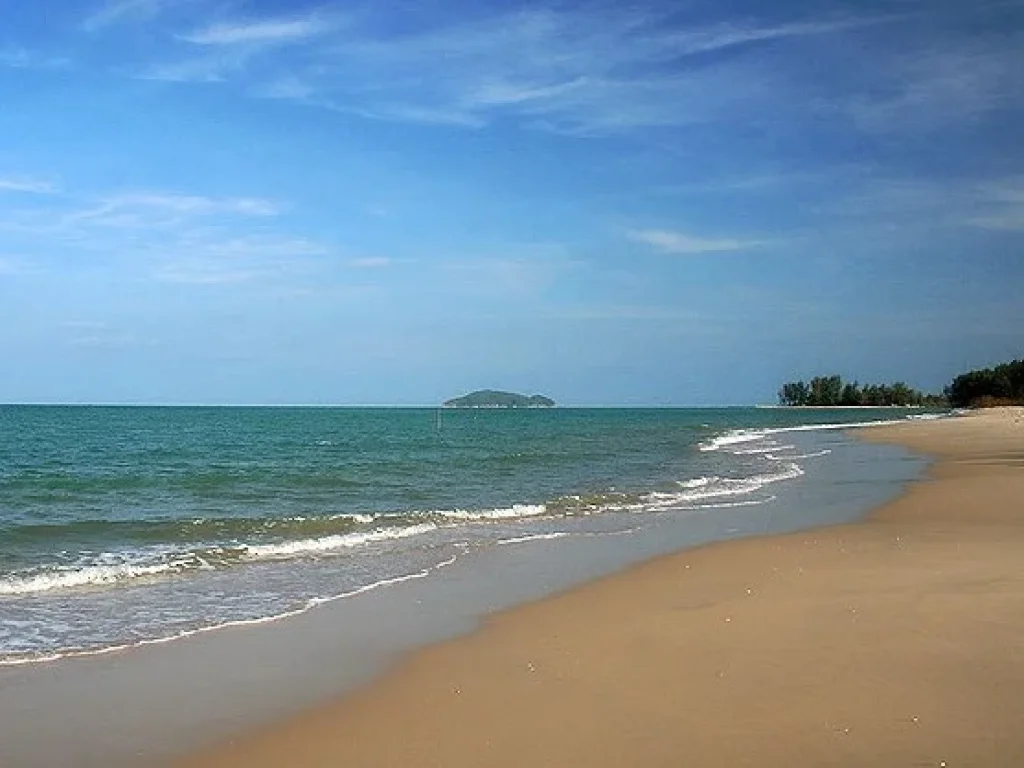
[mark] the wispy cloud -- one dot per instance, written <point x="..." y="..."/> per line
<point x="921" y="207"/>
<point x="920" y="90"/>
<point x="667" y="241"/>
<point x="260" y="32"/>
<point x="1004" y="206"/>
<point x="227" y="49"/>
<point x="24" y="58"/>
<point x="371" y="262"/>
<point x="243" y="259"/>
<point x="201" y="69"/>
<point x="27" y="185"/>
<point x="167" y="236"/>
<point x="151" y="210"/>
<point x="593" y="72"/>
<point x="583" y="73"/>
<point x="572" y="72"/>
<point x="287" y="87"/>
<point x="118" y="11"/>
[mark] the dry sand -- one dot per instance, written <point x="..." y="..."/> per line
<point x="894" y="642"/>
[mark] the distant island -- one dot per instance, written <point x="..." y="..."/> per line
<point x="490" y="398"/>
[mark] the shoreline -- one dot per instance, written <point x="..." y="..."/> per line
<point x="170" y="699"/>
<point x="902" y="648"/>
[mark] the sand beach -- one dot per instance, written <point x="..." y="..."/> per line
<point x="895" y="641"/>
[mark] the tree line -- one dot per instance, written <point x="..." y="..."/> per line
<point x="1001" y="385"/>
<point x="826" y="391"/>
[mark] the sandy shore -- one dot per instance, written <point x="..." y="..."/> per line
<point x="897" y="641"/>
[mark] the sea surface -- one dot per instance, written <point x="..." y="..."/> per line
<point x="130" y="525"/>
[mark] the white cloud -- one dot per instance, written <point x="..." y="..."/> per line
<point x="118" y="11"/>
<point x="668" y="241"/>
<point x="371" y="262"/>
<point x="23" y="58"/>
<point x="202" y="69"/>
<point x="152" y="210"/>
<point x="228" y="49"/>
<point x="287" y="87"/>
<point x="922" y="206"/>
<point x="243" y="259"/>
<point x="27" y="185"/>
<point x="919" y="90"/>
<point x="574" y="72"/>
<point x="167" y="236"/>
<point x="259" y="32"/>
<point x="1003" y="205"/>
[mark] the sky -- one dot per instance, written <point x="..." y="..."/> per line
<point x="635" y="203"/>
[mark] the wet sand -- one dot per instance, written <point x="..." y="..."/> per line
<point x="895" y="641"/>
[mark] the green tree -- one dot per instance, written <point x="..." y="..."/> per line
<point x="826" y="390"/>
<point x="794" y="393"/>
<point x="1002" y="384"/>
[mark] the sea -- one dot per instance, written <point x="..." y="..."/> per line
<point x="125" y="526"/>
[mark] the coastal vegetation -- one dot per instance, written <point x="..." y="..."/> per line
<point x="1001" y="385"/>
<point x="491" y="398"/>
<point x="980" y="388"/>
<point x="832" y="391"/>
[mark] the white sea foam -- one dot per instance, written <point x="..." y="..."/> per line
<point x="724" y="486"/>
<point x="736" y="436"/>
<point x="733" y="504"/>
<point x="535" y="537"/>
<point x="733" y="437"/>
<point x="815" y="455"/>
<point x="765" y="449"/>
<point x="501" y="513"/>
<point x="80" y="577"/>
<point x="335" y="542"/>
<point x="111" y="568"/>
<point x="698" y="482"/>
<point x="307" y="606"/>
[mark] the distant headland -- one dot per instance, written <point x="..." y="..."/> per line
<point x="491" y="398"/>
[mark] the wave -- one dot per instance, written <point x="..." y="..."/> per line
<point x="79" y="577"/>
<point x="737" y="436"/>
<point x="23" y="659"/>
<point x="208" y="544"/>
<point x="130" y="551"/>
<point x="334" y="543"/>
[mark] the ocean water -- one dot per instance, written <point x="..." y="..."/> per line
<point x="121" y="526"/>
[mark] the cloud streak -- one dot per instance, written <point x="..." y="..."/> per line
<point x="569" y="72"/>
<point x="161" y="210"/>
<point x="24" y="58"/>
<point x="1004" y="204"/>
<point x="672" y="242"/>
<point x="28" y="186"/>
<point x="565" y="71"/>
<point x="120" y="11"/>
<point x="590" y="73"/>
<point x="267" y="32"/>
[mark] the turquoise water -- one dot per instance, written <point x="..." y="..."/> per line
<point x="127" y="525"/>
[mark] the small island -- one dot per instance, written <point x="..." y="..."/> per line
<point x="490" y="398"/>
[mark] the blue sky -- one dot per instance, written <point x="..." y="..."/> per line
<point x="221" y="201"/>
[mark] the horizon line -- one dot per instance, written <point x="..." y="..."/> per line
<point x="83" y="404"/>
